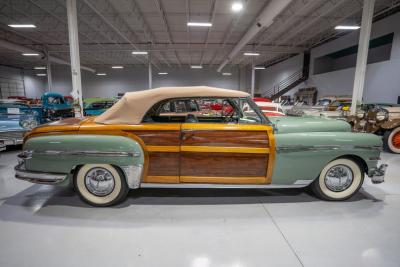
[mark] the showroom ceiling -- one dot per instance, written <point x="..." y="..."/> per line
<point x="110" y="30"/>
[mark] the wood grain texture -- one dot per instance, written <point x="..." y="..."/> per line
<point x="163" y="164"/>
<point x="225" y="138"/>
<point x="222" y="180"/>
<point x="159" y="138"/>
<point x="223" y="164"/>
<point x="162" y="179"/>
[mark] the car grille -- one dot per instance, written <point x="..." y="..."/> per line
<point x="63" y="113"/>
<point x="15" y="136"/>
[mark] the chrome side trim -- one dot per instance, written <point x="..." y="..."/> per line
<point x="300" y="148"/>
<point x="38" y="177"/>
<point x="221" y="186"/>
<point x="133" y="174"/>
<point x="28" y="154"/>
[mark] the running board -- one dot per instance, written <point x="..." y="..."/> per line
<point x="298" y="184"/>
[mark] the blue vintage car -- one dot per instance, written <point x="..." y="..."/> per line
<point x="96" y="105"/>
<point x="16" y="118"/>
<point x="54" y="106"/>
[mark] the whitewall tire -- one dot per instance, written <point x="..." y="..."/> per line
<point x="391" y="140"/>
<point x="340" y="179"/>
<point x="100" y="184"/>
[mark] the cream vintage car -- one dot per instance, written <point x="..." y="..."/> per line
<point x="141" y="142"/>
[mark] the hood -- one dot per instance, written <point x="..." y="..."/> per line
<point x="289" y="124"/>
<point x="10" y="123"/>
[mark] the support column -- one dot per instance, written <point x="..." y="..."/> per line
<point x="150" y="73"/>
<point x="362" y="55"/>
<point x="74" y="54"/>
<point x="49" y="78"/>
<point x="253" y="79"/>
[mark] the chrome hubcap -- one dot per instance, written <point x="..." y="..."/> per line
<point x="99" y="181"/>
<point x="338" y="178"/>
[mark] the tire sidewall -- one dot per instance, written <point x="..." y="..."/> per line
<point x="115" y="196"/>
<point x="389" y="141"/>
<point x="358" y="179"/>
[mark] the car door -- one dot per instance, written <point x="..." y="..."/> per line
<point x="226" y="153"/>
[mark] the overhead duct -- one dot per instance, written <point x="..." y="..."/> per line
<point x="23" y="49"/>
<point x="264" y="20"/>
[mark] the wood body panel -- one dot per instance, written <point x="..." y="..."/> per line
<point x="163" y="164"/>
<point x="223" y="164"/>
<point x="159" y="138"/>
<point x="219" y="138"/>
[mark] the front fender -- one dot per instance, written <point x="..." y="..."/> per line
<point x="390" y="124"/>
<point x="302" y="156"/>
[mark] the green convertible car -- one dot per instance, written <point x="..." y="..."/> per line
<point x="140" y="142"/>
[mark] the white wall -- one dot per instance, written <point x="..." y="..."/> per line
<point x="382" y="82"/>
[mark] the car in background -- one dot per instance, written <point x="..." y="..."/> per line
<point x="381" y="119"/>
<point x="16" y="118"/>
<point x="54" y="107"/>
<point x="96" y="105"/>
<point x="269" y="108"/>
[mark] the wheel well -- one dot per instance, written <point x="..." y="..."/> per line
<point x="360" y="161"/>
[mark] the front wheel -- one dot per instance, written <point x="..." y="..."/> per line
<point x="340" y="179"/>
<point x="391" y="140"/>
<point x="100" y="184"/>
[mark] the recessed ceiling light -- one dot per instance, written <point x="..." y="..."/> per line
<point x="41" y="74"/>
<point x="251" y="54"/>
<point x="117" y="67"/>
<point x="227" y="74"/>
<point x="39" y="68"/>
<point x="162" y="73"/>
<point x="30" y="54"/>
<point x="199" y="24"/>
<point x="237" y="6"/>
<point x="101" y="74"/>
<point x="196" y="67"/>
<point x="139" y="53"/>
<point x="259" y="68"/>
<point x="344" y="27"/>
<point x="21" y="26"/>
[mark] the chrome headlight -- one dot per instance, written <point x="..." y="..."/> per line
<point x="381" y="115"/>
<point x="25" y="124"/>
<point x="360" y="114"/>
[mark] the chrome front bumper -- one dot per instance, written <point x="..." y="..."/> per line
<point x="378" y="175"/>
<point x="38" y="177"/>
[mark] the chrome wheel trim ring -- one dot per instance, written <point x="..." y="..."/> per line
<point x="339" y="178"/>
<point x="99" y="181"/>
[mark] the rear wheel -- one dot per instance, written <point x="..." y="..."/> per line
<point x="340" y="179"/>
<point x="100" y="184"/>
<point x="391" y="140"/>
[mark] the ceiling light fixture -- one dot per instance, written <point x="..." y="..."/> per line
<point x="196" y="67"/>
<point x="139" y="53"/>
<point x="41" y="74"/>
<point x="199" y="24"/>
<point x="39" y="68"/>
<point x="260" y="68"/>
<point x="117" y="67"/>
<point x="251" y="54"/>
<point x="162" y="73"/>
<point x="227" y="74"/>
<point x="101" y="74"/>
<point x="344" y="27"/>
<point x="237" y="6"/>
<point x="30" y="54"/>
<point x="21" y="26"/>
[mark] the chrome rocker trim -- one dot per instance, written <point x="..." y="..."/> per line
<point x="297" y="184"/>
<point x="38" y="177"/>
<point x="377" y="175"/>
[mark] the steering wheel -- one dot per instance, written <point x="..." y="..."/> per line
<point x="228" y="117"/>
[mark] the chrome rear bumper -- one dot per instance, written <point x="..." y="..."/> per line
<point x="378" y="175"/>
<point x="38" y="177"/>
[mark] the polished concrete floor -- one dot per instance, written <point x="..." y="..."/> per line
<point x="46" y="226"/>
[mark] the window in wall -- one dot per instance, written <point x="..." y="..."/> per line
<point x="379" y="50"/>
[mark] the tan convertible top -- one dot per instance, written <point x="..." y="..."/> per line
<point x="134" y="105"/>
